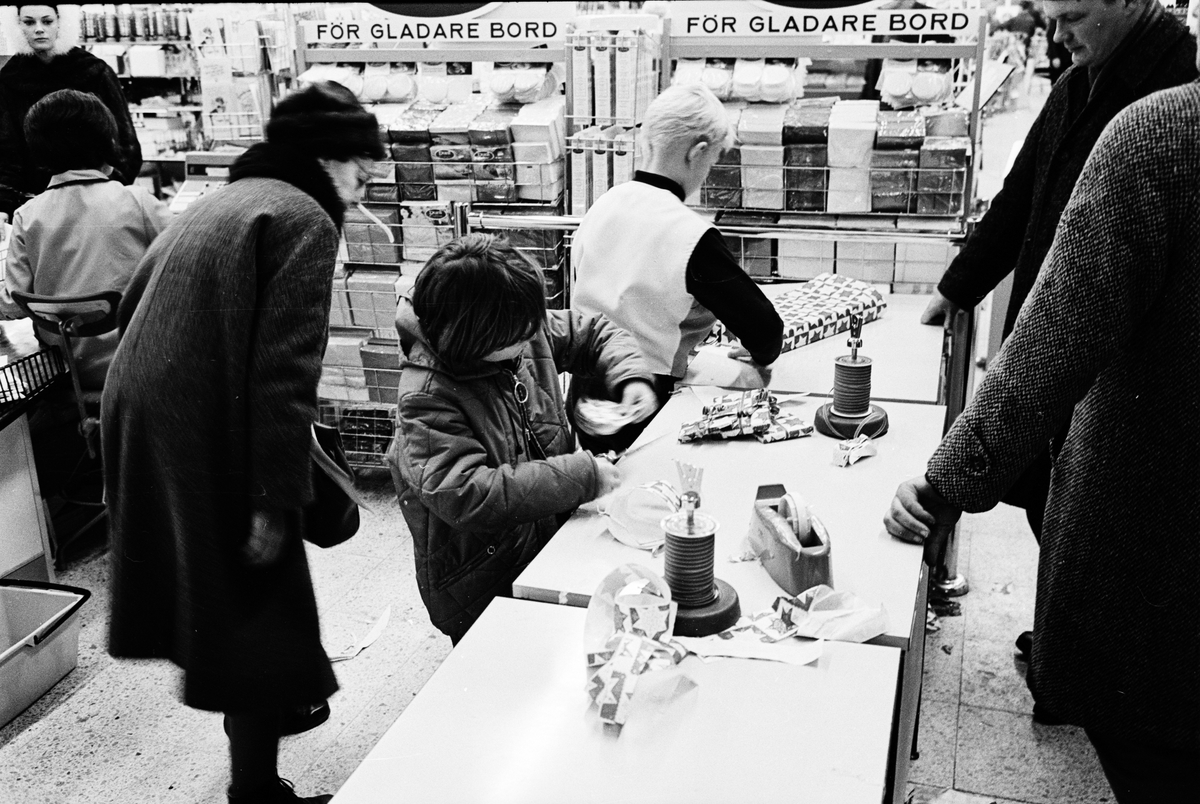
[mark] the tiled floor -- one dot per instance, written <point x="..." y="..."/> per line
<point x="115" y="732"/>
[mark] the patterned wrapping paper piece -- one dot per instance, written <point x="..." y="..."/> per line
<point x="820" y="308"/>
<point x="747" y="413"/>
<point x="822" y="613"/>
<point x="771" y="625"/>
<point x="642" y="619"/>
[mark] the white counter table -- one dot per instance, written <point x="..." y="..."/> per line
<point x="506" y="719"/>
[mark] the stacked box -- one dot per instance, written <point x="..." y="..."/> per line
<point x="852" y="133"/>
<point x="754" y="253"/>
<point x="762" y="176"/>
<point x="723" y="187"/>
<point x="492" y="155"/>
<point x="342" y="375"/>
<point x="849" y="189"/>
<point x="900" y="130"/>
<point x="819" y="309"/>
<point x="807" y="124"/>
<point x="942" y="179"/>
<point x="922" y="263"/>
<point x="381" y="367"/>
<point x="372" y="298"/>
<point x="804" y="258"/>
<point x="762" y="124"/>
<point x="894" y="180"/>
<point x="870" y="262"/>
<point x="339" y="305"/>
<point x="428" y="225"/>
<point x="805" y="176"/>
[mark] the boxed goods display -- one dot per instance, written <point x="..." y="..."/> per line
<point x="804" y="258"/>
<point x="852" y="133"/>
<point x="805" y="178"/>
<point x="894" y="180"/>
<point x="819" y="309"/>
<point x="372" y="298"/>
<point x="807" y="122"/>
<point x="870" y="262"/>
<point x="942" y="179"/>
<point x="900" y="130"/>
<point x="381" y="367"/>
<point x="849" y="189"/>
<point x="428" y="225"/>
<point x="762" y="124"/>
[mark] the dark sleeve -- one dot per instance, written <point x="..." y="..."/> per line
<point x="716" y="280"/>
<point x="593" y="346"/>
<point x="107" y="88"/>
<point x="1103" y="276"/>
<point x="990" y="253"/>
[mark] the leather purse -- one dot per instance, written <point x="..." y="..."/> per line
<point x="332" y="517"/>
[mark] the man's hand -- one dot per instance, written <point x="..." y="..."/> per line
<point x="640" y="398"/>
<point x="918" y="512"/>
<point x="939" y="311"/>
<point x="267" y="535"/>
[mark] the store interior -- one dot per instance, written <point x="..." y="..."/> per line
<point x="862" y="160"/>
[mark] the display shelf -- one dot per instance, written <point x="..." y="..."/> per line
<point x="366" y="430"/>
<point x="23" y="381"/>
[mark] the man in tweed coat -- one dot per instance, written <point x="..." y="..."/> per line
<point x="1107" y="346"/>
<point x="1122" y="50"/>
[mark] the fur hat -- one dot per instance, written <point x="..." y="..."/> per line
<point x="69" y="25"/>
<point x="326" y="121"/>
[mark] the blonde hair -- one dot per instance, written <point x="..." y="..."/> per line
<point x="685" y="114"/>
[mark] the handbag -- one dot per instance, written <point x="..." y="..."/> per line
<point x="332" y="517"/>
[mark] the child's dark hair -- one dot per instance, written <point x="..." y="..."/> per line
<point x="478" y="294"/>
<point x="71" y="130"/>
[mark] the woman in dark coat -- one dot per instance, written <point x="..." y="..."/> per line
<point x="1107" y="347"/>
<point x="46" y="61"/>
<point x="206" y="429"/>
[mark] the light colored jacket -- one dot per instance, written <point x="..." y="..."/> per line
<point x="84" y="234"/>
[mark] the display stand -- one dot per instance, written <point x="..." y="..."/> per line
<point x="410" y="214"/>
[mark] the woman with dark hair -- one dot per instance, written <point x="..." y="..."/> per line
<point x="206" y="425"/>
<point x="47" y="59"/>
<point x="484" y="459"/>
<point x="72" y="137"/>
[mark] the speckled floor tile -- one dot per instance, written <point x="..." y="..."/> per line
<point x="994" y="678"/>
<point x="944" y="661"/>
<point x="1005" y="754"/>
<point x="923" y="794"/>
<point x="1005" y="548"/>
<point x="936" y="742"/>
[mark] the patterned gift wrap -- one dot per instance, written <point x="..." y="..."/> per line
<point x="753" y="413"/>
<point x="819" y="309"/>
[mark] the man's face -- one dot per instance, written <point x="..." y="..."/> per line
<point x="1092" y="29"/>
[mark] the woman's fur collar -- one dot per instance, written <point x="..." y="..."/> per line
<point x="69" y="18"/>
<point x="268" y="161"/>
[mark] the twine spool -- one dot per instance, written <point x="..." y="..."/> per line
<point x="852" y="386"/>
<point x="690" y="553"/>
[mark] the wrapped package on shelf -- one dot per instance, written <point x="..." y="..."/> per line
<point x="495" y="192"/>
<point x="343" y="350"/>
<point x="807" y="123"/>
<point x="460" y="190"/>
<point x="942" y="177"/>
<point x="427" y="225"/>
<point x="542" y="192"/>
<point x="894" y="180"/>
<point x="580" y="152"/>
<point x="450" y="162"/>
<point x="381" y="193"/>
<point x="579" y="51"/>
<point x="624" y="149"/>
<point x="953" y="122"/>
<point x="602" y="161"/>
<point x="762" y="124"/>
<point x="718" y="77"/>
<point x="852" y="133"/>
<point x="412" y="127"/>
<point x="779" y="82"/>
<point x="688" y="71"/>
<point x="804" y="258"/>
<point x="819" y="309"/>
<point x="603" y="73"/>
<point x="538" y="173"/>
<point x="423" y="191"/>
<point x="357" y="232"/>
<point x="870" y="262"/>
<point x="804" y="178"/>
<point x="758" y="198"/>
<point x="401" y="82"/>
<point x="541" y="122"/>
<point x="721" y="197"/>
<point x="452" y="126"/>
<point x="900" y="130"/>
<point x="359" y="252"/>
<point x="747" y="79"/>
<point x="535" y="153"/>
<point x="414" y="164"/>
<point x="493" y="126"/>
<point x="849" y="190"/>
<point x="762" y="167"/>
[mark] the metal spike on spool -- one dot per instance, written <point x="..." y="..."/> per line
<point x="851" y="413"/>
<point x="707" y="605"/>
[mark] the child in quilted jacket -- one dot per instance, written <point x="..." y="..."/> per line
<point x="484" y="459"/>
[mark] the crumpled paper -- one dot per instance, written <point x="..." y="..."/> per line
<point x="753" y="412"/>
<point x="763" y="635"/>
<point x="627" y="634"/>
<point x="854" y="449"/>
<point x="822" y="613"/>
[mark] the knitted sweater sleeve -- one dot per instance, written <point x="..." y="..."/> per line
<point x="1104" y="273"/>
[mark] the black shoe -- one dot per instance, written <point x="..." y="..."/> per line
<point x="278" y="792"/>
<point x="302" y="718"/>
<point x="299" y="719"/>
<point x="1025" y="644"/>
<point x="1045" y="717"/>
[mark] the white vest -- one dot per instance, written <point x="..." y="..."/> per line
<point x="630" y="257"/>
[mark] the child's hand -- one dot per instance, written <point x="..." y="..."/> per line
<point x="640" y="398"/>
<point x="607" y="475"/>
